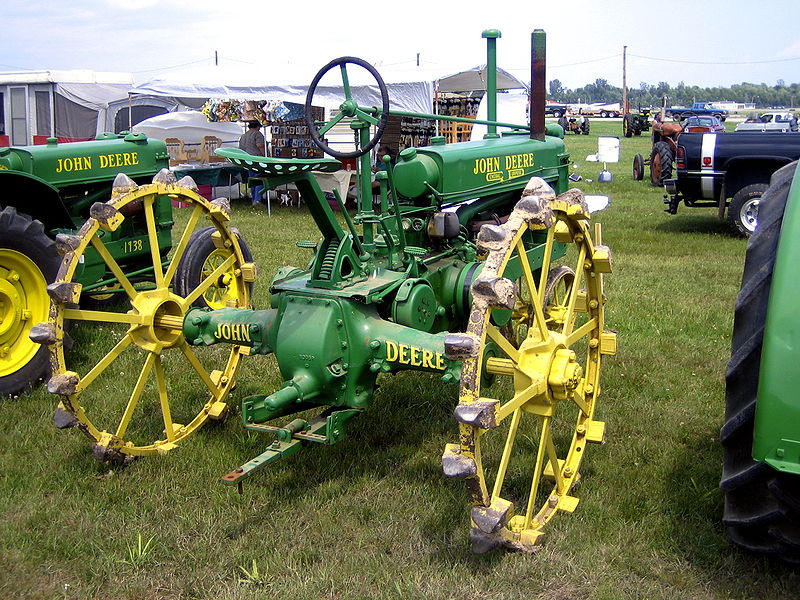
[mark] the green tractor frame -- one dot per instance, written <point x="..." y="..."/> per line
<point x="474" y="262"/>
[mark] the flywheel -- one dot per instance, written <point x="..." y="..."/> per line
<point x="526" y="408"/>
<point x="135" y="386"/>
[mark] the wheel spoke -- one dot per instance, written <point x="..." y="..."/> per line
<point x="330" y="124"/>
<point x="181" y="247"/>
<point x="581" y="331"/>
<point x="152" y="236"/>
<point x="199" y="369"/>
<point x="509" y="445"/>
<point x="136" y="394"/>
<point x="208" y="281"/>
<point x="537" y="470"/>
<point x="546" y="259"/>
<point x="111" y="263"/>
<point x="552" y="456"/>
<point x="345" y="82"/>
<point x="535" y="301"/>
<point x="365" y="116"/>
<point x="103" y="364"/>
<point x="569" y="318"/>
<point x="74" y="314"/>
<point x="499" y="339"/>
<point x="161" y="383"/>
<point x="535" y="389"/>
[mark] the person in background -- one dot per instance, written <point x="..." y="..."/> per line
<point x="252" y="142"/>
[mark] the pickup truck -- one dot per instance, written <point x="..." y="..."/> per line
<point x="698" y="108"/>
<point x="769" y="121"/>
<point x="555" y="110"/>
<point x="728" y="171"/>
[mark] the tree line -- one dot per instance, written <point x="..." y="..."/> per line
<point x="646" y="94"/>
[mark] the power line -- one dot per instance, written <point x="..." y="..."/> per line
<point x="702" y="62"/>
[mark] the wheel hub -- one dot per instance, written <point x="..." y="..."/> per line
<point x="162" y="320"/>
<point x="10" y="303"/>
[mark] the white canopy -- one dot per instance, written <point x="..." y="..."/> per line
<point x="511" y="108"/>
<point x="475" y="79"/>
<point x="190" y="127"/>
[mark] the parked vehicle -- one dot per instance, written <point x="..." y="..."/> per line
<point x="730" y="172"/>
<point x="769" y="121"/>
<point x="555" y="110"/>
<point x="578" y="124"/>
<point x="707" y="124"/>
<point x="761" y="466"/>
<point x="662" y="154"/>
<point x="698" y="108"/>
<point x="636" y="123"/>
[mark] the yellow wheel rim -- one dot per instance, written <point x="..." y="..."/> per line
<point x="23" y="303"/>
<point x="225" y="287"/>
<point x="524" y="435"/>
<point x="150" y="389"/>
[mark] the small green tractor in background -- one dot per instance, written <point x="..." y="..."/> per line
<point x="634" y="123"/>
<point x="473" y="262"/>
<point x="49" y="190"/>
<point x="761" y="470"/>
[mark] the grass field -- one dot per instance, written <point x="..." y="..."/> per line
<point x="373" y="517"/>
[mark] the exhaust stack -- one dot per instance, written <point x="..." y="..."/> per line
<point x="538" y="79"/>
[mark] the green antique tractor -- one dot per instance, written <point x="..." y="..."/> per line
<point x="473" y="262"/>
<point x="49" y="190"/>
<point x="761" y="470"/>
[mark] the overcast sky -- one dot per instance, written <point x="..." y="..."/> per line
<point x="705" y="43"/>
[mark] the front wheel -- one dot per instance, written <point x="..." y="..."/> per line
<point x="743" y="211"/>
<point x="762" y="505"/>
<point x="28" y="262"/>
<point x="638" y="167"/>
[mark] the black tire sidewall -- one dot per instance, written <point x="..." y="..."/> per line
<point x="740" y="198"/>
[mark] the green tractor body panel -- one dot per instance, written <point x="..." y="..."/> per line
<point x="776" y="437"/>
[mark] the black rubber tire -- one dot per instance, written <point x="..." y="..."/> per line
<point x="25" y="235"/>
<point x="762" y="505"/>
<point x="743" y="210"/>
<point x="660" y="163"/>
<point x="198" y="249"/>
<point x="584" y="128"/>
<point x="604" y="114"/>
<point x="564" y="123"/>
<point x="557" y="114"/>
<point x="638" y="167"/>
<point x="627" y="126"/>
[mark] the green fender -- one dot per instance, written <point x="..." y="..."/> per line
<point x="776" y="435"/>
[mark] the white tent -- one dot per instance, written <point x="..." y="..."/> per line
<point x="190" y="127"/>
<point x="511" y="108"/>
<point x="475" y="79"/>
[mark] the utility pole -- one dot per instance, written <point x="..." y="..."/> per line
<point x="216" y="59"/>
<point x="624" y="81"/>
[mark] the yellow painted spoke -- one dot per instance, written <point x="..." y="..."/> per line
<point x="569" y="318"/>
<point x="499" y="339"/>
<point x="204" y="376"/>
<point x="101" y="366"/>
<point x="548" y="255"/>
<point x="152" y="235"/>
<point x="537" y="471"/>
<point x="581" y="331"/>
<point x="136" y="394"/>
<point x="579" y="399"/>
<point x="537" y="388"/>
<point x="535" y="301"/>
<point x="181" y="247"/>
<point x="501" y="470"/>
<point x="113" y="266"/>
<point x="553" y="458"/>
<point x="211" y="279"/>
<point x="103" y="316"/>
<point x="161" y="382"/>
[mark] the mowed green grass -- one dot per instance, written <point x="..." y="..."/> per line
<point x="373" y="517"/>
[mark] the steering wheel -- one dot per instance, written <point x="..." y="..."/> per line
<point x="348" y="109"/>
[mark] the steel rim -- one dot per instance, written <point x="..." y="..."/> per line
<point x="749" y="214"/>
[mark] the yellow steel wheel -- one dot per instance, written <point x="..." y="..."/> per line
<point x="23" y="302"/>
<point x="137" y="387"/>
<point x="216" y="296"/>
<point x="522" y="438"/>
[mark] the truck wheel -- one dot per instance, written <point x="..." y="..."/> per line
<point x="28" y="262"/>
<point x="638" y="167"/>
<point x="201" y="258"/>
<point x="743" y="211"/>
<point x="585" y="127"/>
<point x="762" y="504"/>
<point x="557" y="114"/>
<point x="660" y="163"/>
